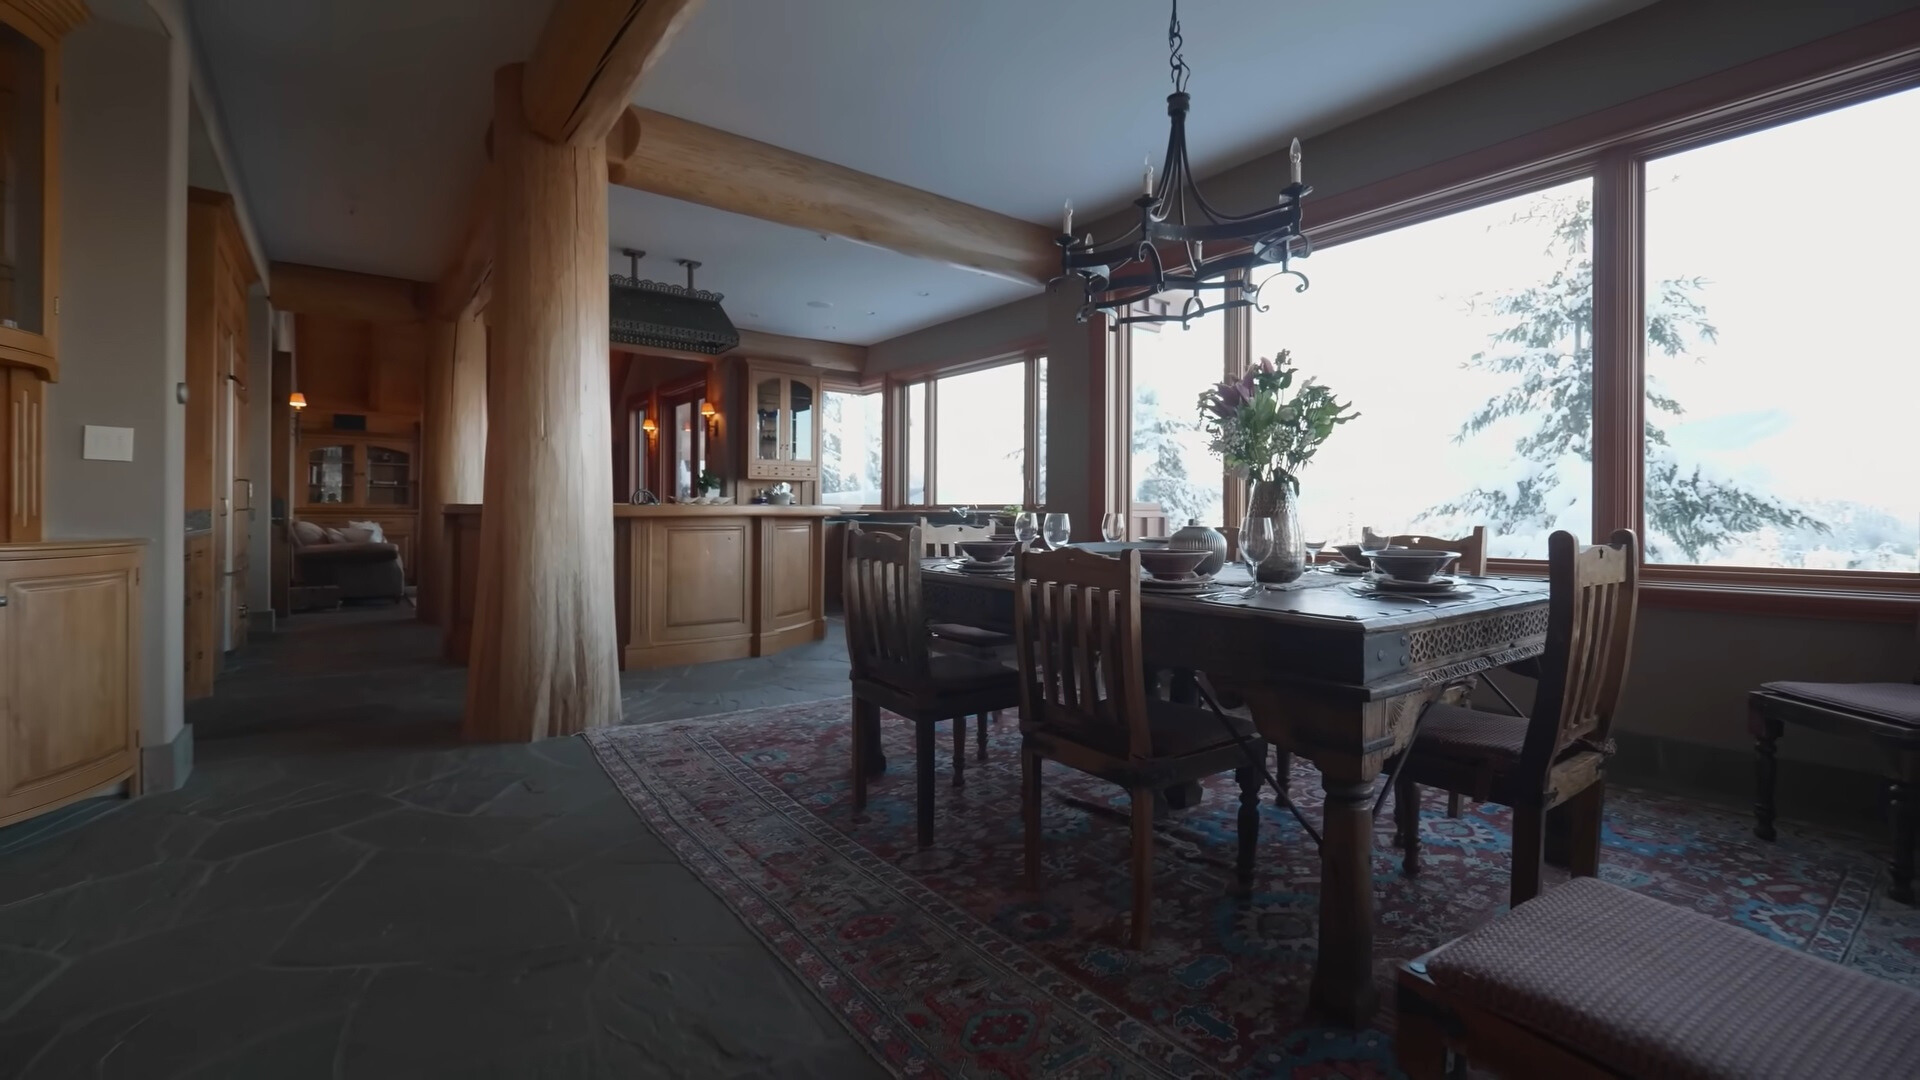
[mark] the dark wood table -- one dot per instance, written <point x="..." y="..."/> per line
<point x="1331" y="674"/>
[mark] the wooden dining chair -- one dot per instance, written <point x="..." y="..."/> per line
<point x="1084" y="703"/>
<point x="943" y="541"/>
<point x="1558" y="755"/>
<point x="1472" y="548"/>
<point x="894" y="669"/>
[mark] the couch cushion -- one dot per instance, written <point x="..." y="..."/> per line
<point x="1896" y="701"/>
<point x="306" y="532"/>
<point x="1653" y="990"/>
<point x="350" y="552"/>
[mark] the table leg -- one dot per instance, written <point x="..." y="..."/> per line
<point x="1343" y="979"/>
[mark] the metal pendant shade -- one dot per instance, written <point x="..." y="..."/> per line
<point x="665" y="316"/>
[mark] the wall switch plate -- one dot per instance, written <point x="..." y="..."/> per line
<point x="107" y="443"/>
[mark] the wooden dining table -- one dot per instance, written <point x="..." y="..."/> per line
<point x="1332" y="671"/>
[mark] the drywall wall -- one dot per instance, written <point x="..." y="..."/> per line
<point x="967" y="338"/>
<point x="123" y="310"/>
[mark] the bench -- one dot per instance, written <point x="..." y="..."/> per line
<point x="1590" y="980"/>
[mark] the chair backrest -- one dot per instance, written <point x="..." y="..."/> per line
<point x="943" y="541"/>
<point x="1472" y="548"/>
<point x="1076" y="621"/>
<point x="880" y="590"/>
<point x="1595" y="593"/>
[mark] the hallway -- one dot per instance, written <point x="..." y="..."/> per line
<point x="343" y="889"/>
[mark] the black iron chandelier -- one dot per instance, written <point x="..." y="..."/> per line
<point x="1120" y="274"/>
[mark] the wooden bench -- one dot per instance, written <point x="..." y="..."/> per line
<point x="1590" y="980"/>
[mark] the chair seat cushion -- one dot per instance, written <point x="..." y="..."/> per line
<point x="970" y="635"/>
<point x="1899" y="702"/>
<point x="1653" y="990"/>
<point x="1177" y="730"/>
<point x="954" y="673"/>
<point x="1455" y="731"/>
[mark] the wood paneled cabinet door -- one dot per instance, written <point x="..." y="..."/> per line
<point x="68" y="640"/>
<point x="392" y="475"/>
<point x="783" y="433"/>
<point x="22" y="447"/>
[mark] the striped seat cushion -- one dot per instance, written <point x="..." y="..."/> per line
<point x="1896" y="701"/>
<point x="1653" y="990"/>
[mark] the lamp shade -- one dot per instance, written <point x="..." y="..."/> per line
<point x="707" y="410"/>
<point x="649" y="426"/>
<point x="297" y="400"/>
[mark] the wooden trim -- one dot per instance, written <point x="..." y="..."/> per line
<point x="695" y="163"/>
<point x="1239" y="354"/>
<point x="55" y="18"/>
<point x="591" y="57"/>
<point x="1619" y="344"/>
<point x="343" y="294"/>
<point x="813" y="352"/>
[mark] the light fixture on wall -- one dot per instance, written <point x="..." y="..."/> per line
<point x="710" y="414"/>
<point x="1264" y="238"/>
<point x="296" y="401"/>
<point x="664" y="316"/>
<point x="649" y="427"/>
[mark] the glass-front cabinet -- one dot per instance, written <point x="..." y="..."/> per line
<point x="390" y="476"/>
<point x="29" y="171"/>
<point x="330" y="474"/>
<point x="354" y="471"/>
<point x="784" y="436"/>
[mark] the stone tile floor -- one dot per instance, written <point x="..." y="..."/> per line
<point x="344" y="889"/>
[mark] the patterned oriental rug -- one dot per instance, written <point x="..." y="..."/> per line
<point x="944" y="966"/>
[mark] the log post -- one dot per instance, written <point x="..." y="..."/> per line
<point x="454" y="436"/>
<point x="543" y="656"/>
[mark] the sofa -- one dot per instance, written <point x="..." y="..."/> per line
<point x="356" y="560"/>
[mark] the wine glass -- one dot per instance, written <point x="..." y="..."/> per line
<point x="1056" y="529"/>
<point x="1256" y="543"/>
<point x="1113" y="527"/>
<point x="1026" y="526"/>
<point x="1313" y="550"/>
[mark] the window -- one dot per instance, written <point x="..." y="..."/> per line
<point x="1174" y="475"/>
<point x="1466" y="345"/>
<point x="915" y="434"/>
<point x="1782" y="372"/>
<point x="850" y="448"/>
<point x="980" y="438"/>
<point x="1040" y="431"/>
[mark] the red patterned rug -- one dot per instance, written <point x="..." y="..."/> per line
<point x="943" y="965"/>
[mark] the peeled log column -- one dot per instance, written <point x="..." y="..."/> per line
<point x="454" y="429"/>
<point x="542" y="661"/>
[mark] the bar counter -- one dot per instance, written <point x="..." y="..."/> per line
<point x="693" y="583"/>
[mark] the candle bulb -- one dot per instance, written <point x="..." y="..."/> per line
<point x="1293" y="155"/>
<point x="1066" y="219"/>
<point x="1146" y="179"/>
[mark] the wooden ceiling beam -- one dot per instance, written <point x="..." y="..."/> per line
<point x="591" y="56"/>
<point x="467" y="281"/>
<point x="665" y="155"/>
<point x="343" y="294"/>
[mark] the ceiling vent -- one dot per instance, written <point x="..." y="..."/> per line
<point x="662" y="316"/>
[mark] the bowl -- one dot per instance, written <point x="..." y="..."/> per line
<point x="1171" y="565"/>
<point x="987" y="550"/>
<point x="1410" y="564"/>
<point x="1353" y="553"/>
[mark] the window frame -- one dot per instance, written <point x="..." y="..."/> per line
<point x="845" y="383"/>
<point x="1613" y="147"/>
<point x="894" y="409"/>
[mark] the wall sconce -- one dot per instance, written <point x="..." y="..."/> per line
<point x="647" y="425"/>
<point x="297" y="401"/>
<point x="710" y="414"/>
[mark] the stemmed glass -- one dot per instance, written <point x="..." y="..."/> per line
<point x="1313" y="551"/>
<point x="1057" y="529"/>
<point x="1113" y="527"/>
<point x="1256" y="543"/>
<point x="1026" y="526"/>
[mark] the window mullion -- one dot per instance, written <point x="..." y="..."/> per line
<point x="1619" y="343"/>
<point x="1238" y="354"/>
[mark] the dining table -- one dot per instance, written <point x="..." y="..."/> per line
<point x="1332" y="669"/>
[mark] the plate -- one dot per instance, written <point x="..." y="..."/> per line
<point x="1005" y="566"/>
<point x="1347" y="568"/>
<point x="1438" y="586"/>
<point x="1177" y="588"/>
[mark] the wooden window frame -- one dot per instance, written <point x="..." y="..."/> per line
<point x="847" y="383"/>
<point x="895" y="411"/>
<point x="1612" y="147"/>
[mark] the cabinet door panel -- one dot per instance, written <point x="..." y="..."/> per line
<point x="64" y="644"/>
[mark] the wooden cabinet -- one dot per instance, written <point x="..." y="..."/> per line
<point x="22" y="448"/>
<point x="782" y="408"/>
<point x="354" y="476"/>
<point x="197" y="650"/>
<point x="69" y="640"/>
<point x="30" y="32"/>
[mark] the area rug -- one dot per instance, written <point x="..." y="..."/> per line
<point x="943" y="965"/>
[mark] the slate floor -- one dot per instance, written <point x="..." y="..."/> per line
<point x="343" y="889"/>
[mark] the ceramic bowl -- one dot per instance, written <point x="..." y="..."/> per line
<point x="1353" y="553"/>
<point x="1171" y="565"/>
<point x="1410" y="564"/>
<point x="987" y="550"/>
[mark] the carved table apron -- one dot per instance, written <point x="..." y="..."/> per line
<point x="1330" y="674"/>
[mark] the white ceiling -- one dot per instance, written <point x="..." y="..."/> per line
<point x="357" y="122"/>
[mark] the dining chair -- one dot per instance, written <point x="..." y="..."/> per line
<point x="894" y="669"/>
<point x="1084" y="704"/>
<point x="1558" y="754"/>
<point x="1472" y="548"/>
<point x="943" y="542"/>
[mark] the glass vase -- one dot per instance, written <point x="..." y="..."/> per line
<point x="1276" y="499"/>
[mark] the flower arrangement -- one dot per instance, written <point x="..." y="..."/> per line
<point x="1258" y="429"/>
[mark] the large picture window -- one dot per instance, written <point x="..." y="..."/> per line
<point x="851" y="447"/>
<point x="1466" y="345"/>
<point x="1783" y="372"/>
<point x="1175" y="477"/>
<point x="980" y="439"/>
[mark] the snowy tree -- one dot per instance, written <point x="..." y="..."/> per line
<point x="1548" y="350"/>
<point x="1157" y="439"/>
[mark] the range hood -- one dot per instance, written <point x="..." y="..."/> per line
<point x="663" y="316"/>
